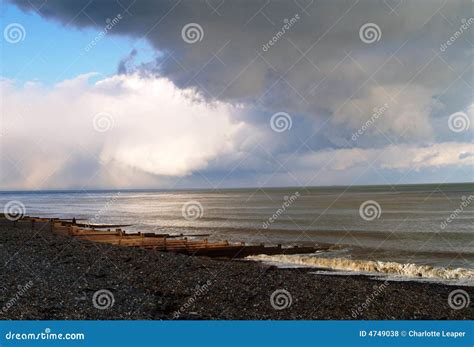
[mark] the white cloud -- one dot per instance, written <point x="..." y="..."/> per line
<point x="154" y="128"/>
<point x="394" y="157"/>
<point x="161" y="135"/>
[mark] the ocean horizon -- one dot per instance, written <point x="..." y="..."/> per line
<point x="350" y="187"/>
<point x="406" y="230"/>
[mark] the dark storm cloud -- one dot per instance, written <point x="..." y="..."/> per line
<point x="316" y="64"/>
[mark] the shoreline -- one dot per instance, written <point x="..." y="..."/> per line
<point x="382" y="270"/>
<point x="370" y="275"/>
<point x="59" y="276"/>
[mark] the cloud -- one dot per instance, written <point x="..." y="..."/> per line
<point x="123" y="66"/>
<point x="179" y="115"/>
<point x="404" y="112"/>
<point x="315" y="65"/>
<point x="134" y="131"/>
<point x="129" y="122"/>
<point x="392" y="157"/>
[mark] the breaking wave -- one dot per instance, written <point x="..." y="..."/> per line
<point x="377" y="267"/>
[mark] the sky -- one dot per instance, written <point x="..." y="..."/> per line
<point x="118" y="94"/>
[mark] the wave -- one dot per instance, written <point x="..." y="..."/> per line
<point x="370" y="266"/>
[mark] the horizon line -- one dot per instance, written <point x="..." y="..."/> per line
<point x="78" y="190"/>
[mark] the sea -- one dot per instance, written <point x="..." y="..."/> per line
<point x="422" y="232"/>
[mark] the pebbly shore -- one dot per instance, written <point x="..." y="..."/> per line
<point x="45" y="275"/>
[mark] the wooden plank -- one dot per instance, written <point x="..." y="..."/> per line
<point x="167" y="242"/>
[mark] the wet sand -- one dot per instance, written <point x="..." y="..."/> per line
<point x="50" y="276"/>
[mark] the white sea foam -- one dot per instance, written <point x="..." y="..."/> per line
<point x="372" y="267"/>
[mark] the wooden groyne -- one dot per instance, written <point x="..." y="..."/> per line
<point x="114" y="234"/>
